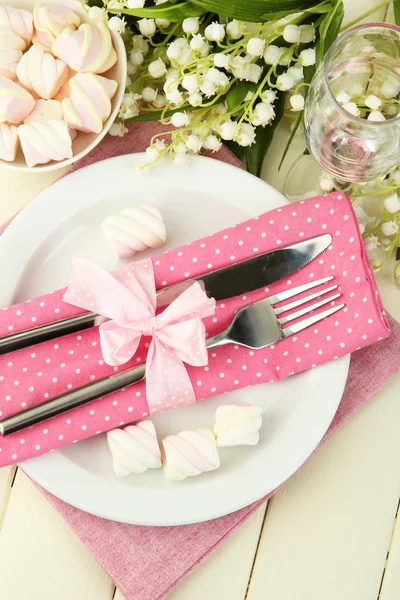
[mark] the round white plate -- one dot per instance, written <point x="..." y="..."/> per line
<point x="63" y="221"/>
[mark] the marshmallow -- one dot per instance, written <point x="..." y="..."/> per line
<point x="237" y="425"/>
<point x="88" y="50"/>
<point x="134" y="229"/>
<point x="189" y="453"/>
<point x="8" y="142"/>
<point x="43" y="142"/>
<point x="50" y="20"/>
<point x="45" y="110"/>
<point x="41" y="73"/>
<point x="19" y="21"/>
<point x="134" y="449"/>
<point x="89" y="102"/>
<point x="15" y="102"/>
<point x="11" y="47"/>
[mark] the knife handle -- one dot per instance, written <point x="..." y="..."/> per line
<point x="50" y="331"/>
<point x="78" y="397"/>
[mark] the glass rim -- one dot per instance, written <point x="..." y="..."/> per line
<point x="327" y="58"/>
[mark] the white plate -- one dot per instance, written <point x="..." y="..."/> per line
<point x="64" y="221"/>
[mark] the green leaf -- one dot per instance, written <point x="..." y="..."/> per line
<point x="257" y="151"/>
<point x="156" y="115"/>
<point x="169" y="11"/>
<point x="252" y="10"/>
<point x="329" y="29"/>
<point x="290" y="140"/>
<point x="396" y="9"/>
<point x="398" y="254"/>
<point x="237" y="94"/>
<point x="321" y="8"/>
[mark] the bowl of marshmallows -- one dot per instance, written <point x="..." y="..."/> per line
<point x="62" y="80"/>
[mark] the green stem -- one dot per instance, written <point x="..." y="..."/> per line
<point x="366" y="14"/>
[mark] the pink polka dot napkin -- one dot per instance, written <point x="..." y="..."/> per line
<point x="32" y="375"/>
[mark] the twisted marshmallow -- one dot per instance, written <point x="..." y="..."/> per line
<point x="11" y="47"/>
<point x="43" y="142"/>
<point x="89" y="102"/>
<point x="50" y="20"/>
<point x="134" y="449"/>
<point x="134" y="229"/>
<point x="19" y="21"/>
<point x="88" y="50"/>
<point x="45" y="110"/>
<point x="189" y="453"/>
<point x="237" y="425"/>
<point x="8" y="142"/>
<point x="41" y="73"/>
<point x="15" y="102"/>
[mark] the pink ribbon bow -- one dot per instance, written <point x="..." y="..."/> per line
<point x="128" y="299"/>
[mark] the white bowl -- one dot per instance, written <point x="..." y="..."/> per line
<point x="84" y="142"/>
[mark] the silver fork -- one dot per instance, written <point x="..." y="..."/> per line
<point x="256" y="326"/>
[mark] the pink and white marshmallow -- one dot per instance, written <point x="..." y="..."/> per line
<point x="20" y="22"/>
<point x="89" y="102"/>
<point x="11" y="48"/>
<point x="41" y="73"/>
<point x="237" y="425"/>
<point x="43" y="142"/>
<point x="45" y="110"/>
<point x="15" y="102"/>
<point x="189" y="453"/>
<point x="89" y="49"/>
<point x="134" y="229"/>
<point x="8" y="142"/>
<point x="134" y="449"/>
<point x="50" y="20"/>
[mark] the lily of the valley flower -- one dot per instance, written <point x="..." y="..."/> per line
<point x="392" y="203"/>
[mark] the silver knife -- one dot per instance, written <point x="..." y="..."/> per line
<point x="238" y="278"/>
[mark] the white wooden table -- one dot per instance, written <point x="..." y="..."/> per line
<point x="330" y="533"/>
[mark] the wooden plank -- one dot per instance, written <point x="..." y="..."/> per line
<point x="40" y="556"/>
<point x="6" y="478"/>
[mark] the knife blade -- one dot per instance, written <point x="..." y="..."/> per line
<point x="239" y="278"/>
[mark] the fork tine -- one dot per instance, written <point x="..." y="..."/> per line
<point x="297" y="327"/>
<point x="307" y="309"/>
<point x="298" y="290"/>
<point x="291" y="305"/>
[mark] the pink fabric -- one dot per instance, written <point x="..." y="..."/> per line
<point x="32" y="375"/>
<point x="147" y="562"/>
<point x="128" y="299"/>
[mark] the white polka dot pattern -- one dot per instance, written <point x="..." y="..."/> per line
<point x="76" y="359"/>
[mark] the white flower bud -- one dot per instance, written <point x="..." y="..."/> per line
<point x="139" y="43"/>
<point x="269" y="96"/>
<point x="136" y="58"/>
<point x="189" y="82"/>
<point x="117" y="24"/>
<point x="147" y="27"/>
<point x="296" y="72"/>
<point x="136" y="3"/>
<point x="263" y="114"/>
<point x="245" y="135"/>
<point x="307" y="34"/>
<point x="97" y="14"/>
<point x="297" y="102"/>
<point x="212" y="143"/>
<point x="285" y="82"/>
<point x="215" y="32"/>
<point x="373" y="102"/>
<point x="233" y="30"/>
<point x="207" y="88"/>
<point x="392" y="203"/>
<point x="342" y="98"/>
<point x="179" y="119"/>
<point x="163" y="23"/>
<point x="159" y="101"/>
<point x="197" y="42"/>
<point x="175" y="97"/>
<point x="172" y="75"/>
<point x="326" y="183"/>
<point x="152" y="153"/>
<point x="131" y="69"/>
<point x="356" y="89"/>
<point x="180" y="148"/>
<point x="390" y="228"/>
<point x="194" y="143"/>
<point x="352" y="108"/>
<point x="115" y="4"/>
<point x="291" y="34"/>
<point x="307" y="57"/>
<point x="253" y="73"/>
<point x="212" y="75"/>
<point x="180" y="160"/>
<point x="221" y="60"/>
<point x="228" y="130"/>
<point x="174" y="51"/>
<point x="149" y="94"/>
<point x="371" y="243"/>
<point x="376" y="116"/>
<point x="118" y="130"/>
<point x="190" y="25"/>
<point x="157" y="68"/>
<point x="255" y="46"/>
<point x="195" y="99"/>
<point x="272" y="55"/>
<point x="390" y="88"/>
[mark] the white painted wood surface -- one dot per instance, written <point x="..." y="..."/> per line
<point x="330" y="533"/>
